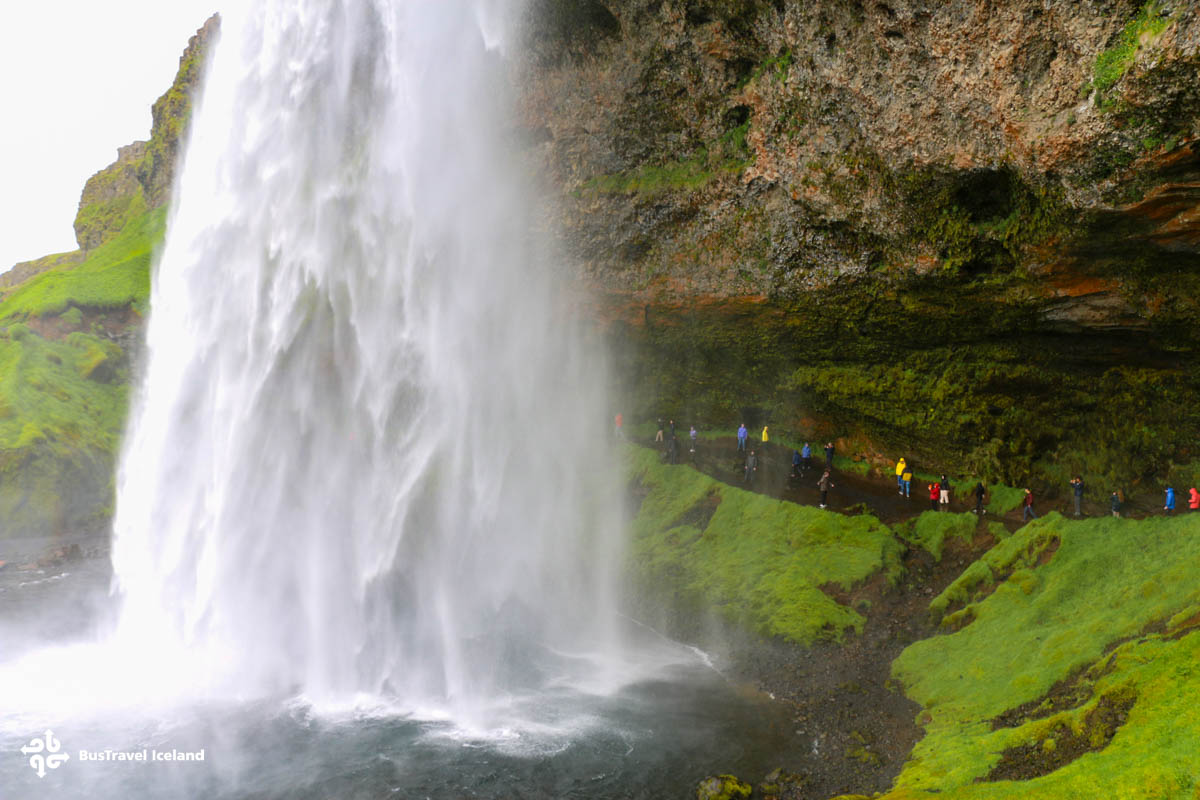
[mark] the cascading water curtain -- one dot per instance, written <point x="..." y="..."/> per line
<point x="367" y="454"/>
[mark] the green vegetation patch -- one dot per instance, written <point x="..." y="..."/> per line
<point x="932" y="529"/>
<point x="1109" y="582"/>
<point x="759" y="561"/>
<point x="728" y="155"/>
<point x="1112" y="64"/>
<point x="62" y="408"/>
<point x="114" y="275"/>
<point x="1017" y="552"/>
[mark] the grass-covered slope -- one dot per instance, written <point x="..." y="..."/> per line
<point x="1074" y="678"/>
<point x="1067" y="663"/>
<point x="114" y="275"/>
<point x="759" y="561"/>
<point x="64" y="382"/>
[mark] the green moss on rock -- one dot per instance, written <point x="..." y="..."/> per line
<point x="1108" y="583"/>
<point x="760" y="562"/>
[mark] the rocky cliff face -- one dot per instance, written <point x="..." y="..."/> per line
<point x="141" y="177"/>
<point x="964" y="229"/>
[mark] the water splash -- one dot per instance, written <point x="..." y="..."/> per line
<point x="364" y="456"/>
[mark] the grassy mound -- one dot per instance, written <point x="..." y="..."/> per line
<point x="1075" y="676"/>
<point x="759" y="561"/>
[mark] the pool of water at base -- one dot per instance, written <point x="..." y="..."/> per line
<point x="653" y="738"/>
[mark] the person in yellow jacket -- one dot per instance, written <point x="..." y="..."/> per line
<point x="901" y="465"/>
<point x="764" y="434"/>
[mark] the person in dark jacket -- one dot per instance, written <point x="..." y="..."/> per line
<point x="796" y="473"/>
<point x="980" y="491"/>
<point x="1077" y="487"/>
<point x="829" y="455"/>
<point x="1027" y="504"/>
<point x="1115" y="503"/>
<point x="751" y="468"/>
<point x="825" y="484"/>
<point x="944" y="492"/>
<point x="673" y="450"/>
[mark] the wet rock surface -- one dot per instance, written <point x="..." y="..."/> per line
<point x="998" y="199"/>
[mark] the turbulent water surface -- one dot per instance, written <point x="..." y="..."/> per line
<point x="367" y="533"/>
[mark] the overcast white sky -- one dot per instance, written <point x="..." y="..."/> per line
<point x="77" y="78"/>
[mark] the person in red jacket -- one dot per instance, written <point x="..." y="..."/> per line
<point x="935" y="492"/>
<point x="1028" y="503"/>
<point x="1194" y="499"/>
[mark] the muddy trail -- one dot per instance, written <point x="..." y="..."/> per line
<point x="856" y="726"/>
<point x="852" y="493"/>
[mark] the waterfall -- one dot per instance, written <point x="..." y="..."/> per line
<point x="367" y="454"/>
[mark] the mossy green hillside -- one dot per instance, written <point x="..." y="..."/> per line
<point x="1020" y="551"/>
<point x="62" y="408"/>
<point x="932" y="529"/>
<point x="760" y="562"/>
<point x="63" y="396"/>
<point x="114" y="275"/>
<point x="1109" y="582"/>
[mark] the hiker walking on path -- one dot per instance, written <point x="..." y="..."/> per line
<point x="1115" y="503"/>
<point x="980" y="491"/>
<point x="944" y="494"/>
<point x="620" y="421"/>
<point x="751" y="468"/>
<point x="1194" y="499"/>
<point x="692" y="435"/>
<point x="825" y="484"/>
<point x="935" y="492"/>
<point x="671" y="429"/>
<point x="906" y="481"/>
<point x="658" y="437"/>
<point x="806" y="456"/>
<point x="1027" y="511"/>
<point x="1077" y="485"/>
<point x="901" y="465"/>
<point x="742" y="434"/>
<point x="1169" y="506"/>
<point x="829" y="455"/>
<point x="796" y="473"/>
<point x="764" y="434"/>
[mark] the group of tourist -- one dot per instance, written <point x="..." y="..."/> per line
<point x="939" y="495"/>
<point x="939" y="490"/>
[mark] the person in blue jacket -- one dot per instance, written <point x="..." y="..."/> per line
<point x="806" y="456"/>
<point x="1170" y="504"/>
<point x="742" y="434"/>
<point x="796" y="464"/>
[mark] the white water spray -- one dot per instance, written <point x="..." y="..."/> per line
<point x="366" y="454"/>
